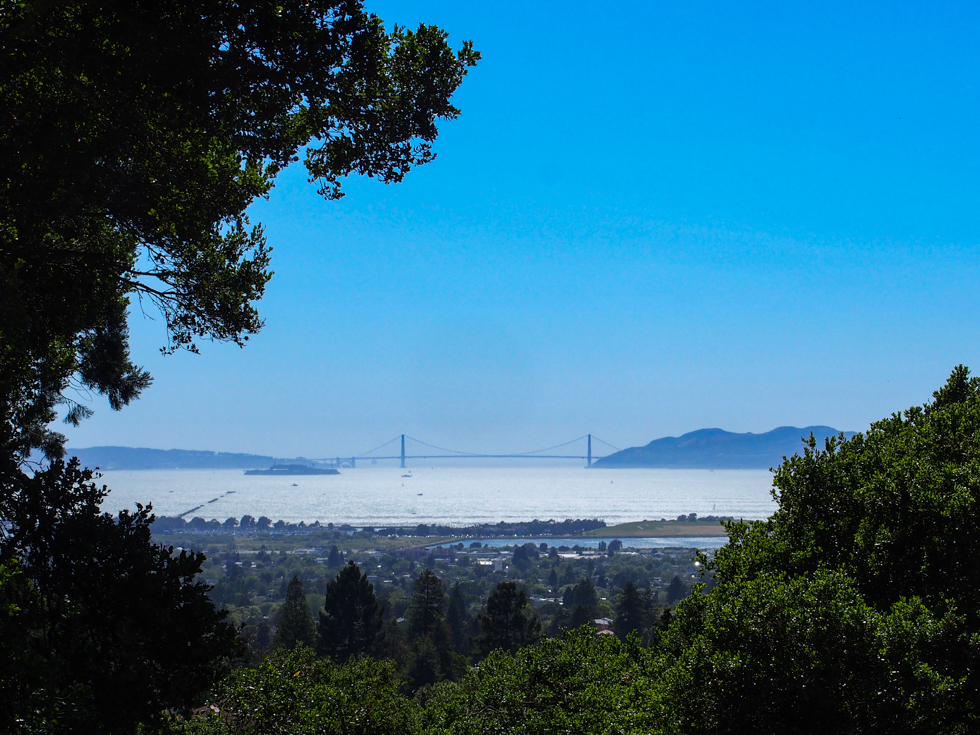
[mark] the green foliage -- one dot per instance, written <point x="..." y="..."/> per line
<point x="575" y="684"/>
<point x="294" y="692"/>
<point x="294" y="624"/>
<point x="508" y="624"/>
<point x="350" y="621"/>
<point x="458" y="620"/>
<point x="633" y="613"/>
<point x="583" y="601"/>
<point x="805" y="655"/>
<point x="426" y="610"/>
<point x="855" y="607"/>
<point x="105" y="628"/>
<point x="134" y="139"/>
<point x="431" y="658"/>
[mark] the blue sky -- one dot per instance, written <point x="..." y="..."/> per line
<point x="650" y="218"/>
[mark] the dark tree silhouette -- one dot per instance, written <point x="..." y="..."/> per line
<point x="294" y="624"/>
<point x="508" y="624"/>
<point x="111" y="629"/>
<point x="428" y="631"/>
<point x="582" y="600"/>
<point x="426" y="608"/>
<point x="135" y="136"/>
<point x="632" y="612"/>
<point x="350" y="621"/>
<point x="676" y="589"/>
<point x="458" y="620"/>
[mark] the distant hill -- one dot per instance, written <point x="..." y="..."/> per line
<point x="135" y="458"/>
<point x="717" y="449"/>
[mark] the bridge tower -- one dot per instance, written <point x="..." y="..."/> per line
<point x="403" y="451"/>
<point x="590" y="451"/>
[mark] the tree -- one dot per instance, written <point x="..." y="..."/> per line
<point x="334" y="558"/>
<point x="854" y="607"/>
<point x="524" y="554"/>
<point x="116" y="628"/>
<point x="294" y="624"/>
<point x="573" y="684"/>
<point x="135" y="137"/>
<point x="458" y="620"/>
<point x="350" y="621"/>
<point x="425" y="666"/>
<point x="632" y="613"/>
<point x="132" y="140"/>
<point x="676" y="589"/>
<point x="508" y="625"/>
<point x="808" y="655"/>
<point x="294" y="692"/>
<point x="582" y="600"/>
<point x="430" y="639"/>
<point x="425" y="610"/>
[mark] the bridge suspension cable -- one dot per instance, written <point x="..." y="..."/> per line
<point x="564" y="444"/>
<point x="433" y="446"/>
<point x="522" y="454"/>
<point x="595" y="438"/>
<point x="363" y="454"/>
<point x="457" y="453"/>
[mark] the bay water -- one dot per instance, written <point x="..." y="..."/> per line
<point x="455" y="496"/>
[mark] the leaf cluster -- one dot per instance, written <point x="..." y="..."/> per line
<point x="132" y="139"/>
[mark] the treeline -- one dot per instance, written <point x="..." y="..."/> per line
<point x="436" y="640"/>
<point x="249" y="525"/>
<point x="854" y="609"/>
<point x="564" y="590"/>
<point x="568" y="527"/>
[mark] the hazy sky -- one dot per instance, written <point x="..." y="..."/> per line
<point x="651" y="218"/>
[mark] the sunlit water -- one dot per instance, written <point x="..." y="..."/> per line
<point x="457" y="496"/>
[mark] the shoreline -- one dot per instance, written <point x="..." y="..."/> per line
<point x="661" y="529"/>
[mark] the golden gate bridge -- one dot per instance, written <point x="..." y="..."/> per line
<point x="403" y="456"/>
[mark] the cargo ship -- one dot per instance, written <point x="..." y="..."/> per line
<point x="294" y="469"/>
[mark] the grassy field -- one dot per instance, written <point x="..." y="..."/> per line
<point x="660" y="529"/>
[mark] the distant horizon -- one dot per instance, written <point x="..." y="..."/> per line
<point x="300" y="456"/>
<point x="732" y="215"/>
<point x="598" y="450"/>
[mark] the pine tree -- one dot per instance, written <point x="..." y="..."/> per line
<point x="458" y="620"/>
<point x="295" y="624"/>
<point x="425" y="610"/>
<point x="425" y="666"/>
<point x="583" y="600"/>
<point x="507" y="625"/>
<point x="676" y="589"/>
<point x="427" y="627"/>
<point x="335" y="558"/>
<point x="350" y="621"/>
<point x="631" y="612"/>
